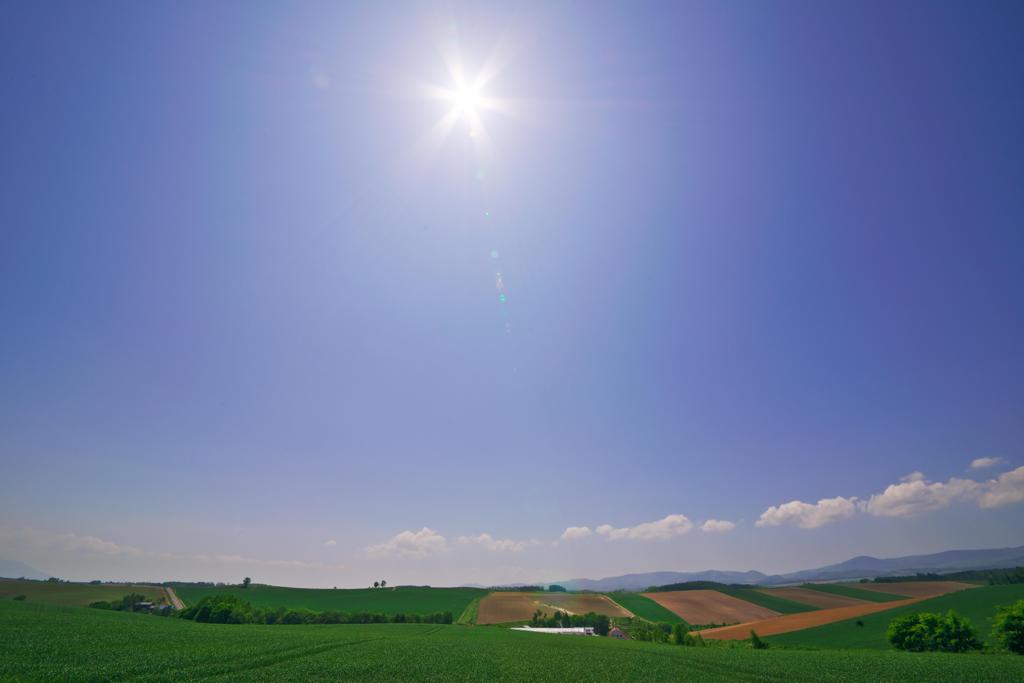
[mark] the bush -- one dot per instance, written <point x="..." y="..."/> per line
<point x="220" y="609"/>
<point x="1008" y="628"/>
<point x="756" y="642"/>
<point x="679" y="633"/>
<point x="691" y="640"/>
<point x="927" y="632"/>
<point x="19" y="597"/>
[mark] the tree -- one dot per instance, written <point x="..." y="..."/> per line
<point x="1008" y="627"/>
<point x="756" y="642"/>
<point x="927" y="632"/>
<point x="376" y="584"/>
<point x="679" y="632"/>
<point x="246" y="581"/>
<point x="383" y="583"/>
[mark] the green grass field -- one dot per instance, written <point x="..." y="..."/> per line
<point x="645" y="608"/>
<point x="977" y="604"/>
<point x="375" y="600"/>
<point x="80" y="594"/>
<point x="45" y="642"/>
<point x="772" y="602"/>
<point x="868" y="596"/>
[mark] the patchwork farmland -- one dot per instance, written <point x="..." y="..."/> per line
<point x="914" y="589"/>
<point x="503" y="607"/>
<point x="46" y="642"/>
<point x="391" y="600"/>
<point x="141" y="644"/>
<point x="75" y="594"/>
<point x="811" y="597"/>
<point x="710" y="607"/>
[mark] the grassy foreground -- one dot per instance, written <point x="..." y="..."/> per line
<point x="45" y="642"/>
<point x="409" y="600"/>
<point x="977" y="604"/>
<point x="80" y="594"/>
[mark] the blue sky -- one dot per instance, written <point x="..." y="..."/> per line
<point x="751" y="254"/>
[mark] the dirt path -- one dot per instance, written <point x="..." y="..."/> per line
<point x="176" y="602"/>
<point x="800" y="621"/>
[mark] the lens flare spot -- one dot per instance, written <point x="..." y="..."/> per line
<point x="494" y="253"/>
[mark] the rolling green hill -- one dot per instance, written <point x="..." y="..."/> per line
<point x="645" y="608"/>
<point x="977" y="604"/>
<point x="850" y="592"/>
<point x="46" y="642"/>
<point x="80" y="594"/>
<point x="410" y="600"/>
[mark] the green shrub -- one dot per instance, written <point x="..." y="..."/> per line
<point x="756" y="642"/>
<point x="19" y="597"/>
<point x="1008" y="627"/>
<point x="927" y="632"/>
<point x="692" y="640"/>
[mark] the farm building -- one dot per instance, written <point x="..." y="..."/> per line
<point x="573" y="631"/>
<point x="617" y="632"/>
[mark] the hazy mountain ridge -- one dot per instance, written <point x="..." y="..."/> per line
<point x="862" y="566"/>
<point x="12" y="569"/>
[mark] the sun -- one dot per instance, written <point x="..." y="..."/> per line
<point x="467" y="99"/>
<point x="466" y="102"/>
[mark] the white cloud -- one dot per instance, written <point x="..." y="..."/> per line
<point x="667" y="527"/>
<point x="983" y="463"/>
<point x="574" y="532"/>
<point x="915" y="495"/>
<point x="808" y="515"/>
<point x="493" y="544"/>
<point x="92" y="544"/>
<point x="331" y="543"/>
<point x="72" y="543"/>
<point x="1007" y="489"/>
<point x="78" y="544"/>
<point x="411" y="543"/>
<point x="717" y="525"/>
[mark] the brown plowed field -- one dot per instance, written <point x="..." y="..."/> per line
<point x="502" y="607"/>
<point x="797" y="622"/>
<point x="813" y="598"/>
<point x="581" y="604"/>
<point x="915" y="589"/>
<point x="709" y="607"/>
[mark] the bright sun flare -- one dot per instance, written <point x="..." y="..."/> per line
<point x="466" y="101"/>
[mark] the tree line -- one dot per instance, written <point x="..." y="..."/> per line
<point x="950" y="632"/>
<point x="230" y="609"/>
<point x="993" y="577"/>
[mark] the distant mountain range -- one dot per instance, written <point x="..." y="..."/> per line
<point x="859" y="567"/>
<point x="12" y="569"/>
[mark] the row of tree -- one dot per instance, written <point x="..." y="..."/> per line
<point x="950" y="632"/>
<point x="230" y="609"/>
<point x="600" y="622"/>
<point x="993" y="577"/>
<point x="128" y="603"/>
